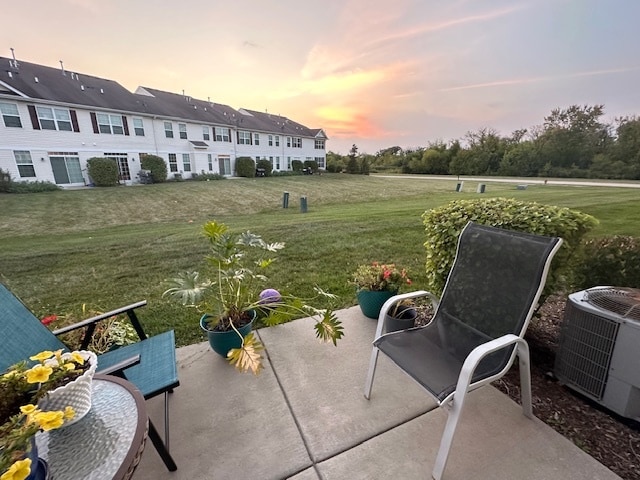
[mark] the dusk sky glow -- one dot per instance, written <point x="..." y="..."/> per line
<point x="376" y="73"/>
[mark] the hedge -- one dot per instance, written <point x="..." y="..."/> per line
<point x="444" y="224"/>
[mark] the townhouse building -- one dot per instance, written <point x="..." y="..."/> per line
<point x="54" y="120"/>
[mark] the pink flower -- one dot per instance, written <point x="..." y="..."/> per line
<point x="49" y="319"/>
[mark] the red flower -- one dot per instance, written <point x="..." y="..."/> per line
<point x="49" y="319"/>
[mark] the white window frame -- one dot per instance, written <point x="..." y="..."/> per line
<point x="54" y="119"/>
<point x="10" y="112"/>
<point x="24" y="162"/>
<point x="256" y="139"/>
<point x="244" y="138"/>
<point x="108" y="123"/>
<point x="186" y="162"/>
<point x="319" y="144"/>
<point x="205" y="133"/>
<point x="297" y="142"/>
<point x="182" y="131"/>
<point x="289" y="142"/>
<point x="168" y="130"/>
<point x="277" y="139"/>
<point x="210" y="162"/>
<point x="138" y="127"/>
<point x="222" y="134"/>
<point x="270" y="140"/>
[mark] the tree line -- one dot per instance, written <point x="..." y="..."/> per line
<point x="572" y="142"/>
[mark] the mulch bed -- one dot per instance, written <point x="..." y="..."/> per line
<point x="612" y="440"/>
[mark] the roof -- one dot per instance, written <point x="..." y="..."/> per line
<point x="39" y="82"/>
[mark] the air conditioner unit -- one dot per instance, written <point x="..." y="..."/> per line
<point x="599" y="348"/>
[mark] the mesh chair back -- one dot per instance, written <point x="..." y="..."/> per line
<point x="491" y="291"/>
<point x="22" y="333"/>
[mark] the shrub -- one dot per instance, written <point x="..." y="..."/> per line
<point x="297" y="165"/>
<point x="312" y="164"/>
<point x="609" y="261"/>
<point x="5" y="181"/>
<point x="245" y="167"/>
<point x="444" y="224"/>
<point x="32" y="187"/>
<point x="156" y="165"/>
<point x="266" y="164"/>
<point x="206" y="176"/>
<point x="103" y="171"/>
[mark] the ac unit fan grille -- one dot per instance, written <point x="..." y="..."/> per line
<point x="585" y="347"/>
<point x="619" y="300"/>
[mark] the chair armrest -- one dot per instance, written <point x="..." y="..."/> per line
<point x="398" y="298"/>
<point x="477" y="354"/>
<point x="90" y="323"/>
<point x="117" y="368"/>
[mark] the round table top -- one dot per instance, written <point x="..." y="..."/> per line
<point x="107" y="442"/>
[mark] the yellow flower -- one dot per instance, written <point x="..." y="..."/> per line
<point x="38" y="374"/>
<point x="18" y="471"/>
<point x="76" y="357"/>
<point x="49" y="420"/>
<point x="28" y="409"/>
<point x="42" y="356"/>
<point x="69" y="366"/>
<point x="69" y="413"/>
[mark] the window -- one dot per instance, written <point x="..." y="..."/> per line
<point x="110" y="124"/>
<point x="123" y="164"/>
<point x="24" y="163"/>
<point x="224" y="165"/>
<point x="205" y="133"/>
<point x="319" y="144"/>
<point x="10" y="115"/>
<point x="54" y="119"/>
<point x="222" y="134"/>
<point x="277" y="163"/>
<point x="244" y="138"/>
<point x="256" y="139"/>
<point x="173" y="162"/>
<point x="138" y="127"/>
<point x="186" y="162"/>
<point x="168" y="131"/>
<point x="277" y="140"/>
<point x="297" y="142"/>
<point x="288" y="163"/>
<point x="66" y="167"/>
<point x="270" y="140"/>
<point x="288" y="141"/>
<point x="182" y="127"/>
<point x="258" y="158"/>
<point x="320" y="162"/>
<point x="210" y="162"/>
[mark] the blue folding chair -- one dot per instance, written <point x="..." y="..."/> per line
<point x="149" y="364"/>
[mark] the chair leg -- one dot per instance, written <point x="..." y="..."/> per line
<point x="454" y="409"/>
<point x="525" y="378"/>
<point x="161" y="448"/>
<point x="166" y="419"/>
<point x="372" y="371"/>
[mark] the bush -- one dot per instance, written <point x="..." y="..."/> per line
<point x="103" y="171"/>
<point x="297" y="166"/>
<point x="245" y="167"/>
<point x="312" y="164"/>
<point x="266" y="164"/>
<point x="444" y="224"/>
<point x="609" y="261"/>
<point x="156" y="165"/>
<point x="33" y="187"/>
<point x="205" y="177"/>
<point x="5" y="181"/>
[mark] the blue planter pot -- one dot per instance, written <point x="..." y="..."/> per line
<point x="222" y="342"/>
<point x="39" y="468"/>
<point x="371" y="302"/>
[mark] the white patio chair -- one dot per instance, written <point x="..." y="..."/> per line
<point x="479" y="323"/>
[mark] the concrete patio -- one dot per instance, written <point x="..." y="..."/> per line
<point x="305" y="418"/>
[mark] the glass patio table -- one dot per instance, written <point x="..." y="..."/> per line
<point x="107" y="443"/>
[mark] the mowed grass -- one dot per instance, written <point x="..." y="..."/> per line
<point x="112" y="246"/>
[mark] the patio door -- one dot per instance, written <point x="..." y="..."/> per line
<point x="66" y="169"/>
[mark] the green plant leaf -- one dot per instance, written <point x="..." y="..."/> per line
<point x="329" y="328"/>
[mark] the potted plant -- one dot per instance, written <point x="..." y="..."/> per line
<point x="26" y="407"/>
<point x="400" y="316"/>
<point x="376" y="283"/>
<point x="228" y="297"/>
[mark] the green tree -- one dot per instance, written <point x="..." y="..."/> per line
<point x="352" y="162"/>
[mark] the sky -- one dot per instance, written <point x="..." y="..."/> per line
<point x="374" y="73"/>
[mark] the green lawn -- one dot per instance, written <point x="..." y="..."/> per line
<point x="111" y="246"/>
